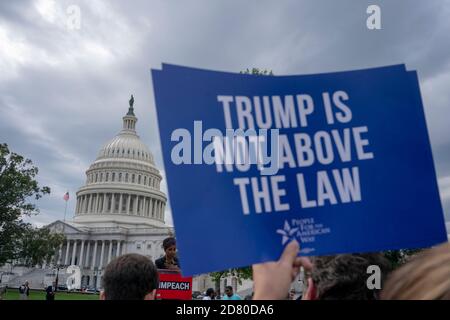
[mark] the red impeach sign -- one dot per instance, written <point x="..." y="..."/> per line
<point x="174" y="286"/>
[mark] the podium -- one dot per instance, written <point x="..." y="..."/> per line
<point x="173" y="286"/>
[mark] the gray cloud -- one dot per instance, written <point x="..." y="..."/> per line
<point x="63" y="92"/>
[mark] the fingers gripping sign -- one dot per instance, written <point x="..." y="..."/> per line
<point x="272" y="280"/>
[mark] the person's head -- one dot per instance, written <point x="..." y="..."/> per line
<point x="210" y="293"/>
<point x="26" y="283"/>
<point x="229" y="291"/>
<point x="130" y="277"/>
<point x="170" y="247"/>
<point x="344" y="277"/>
<point x="425" y="277"/>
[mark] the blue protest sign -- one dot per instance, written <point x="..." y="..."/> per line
<point x="340" y="161"/>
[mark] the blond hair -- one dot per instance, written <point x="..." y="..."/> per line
<point x="425" y="277"/>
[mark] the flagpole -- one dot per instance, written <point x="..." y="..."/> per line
<point x="65" y="210"/>
<point x="66" y="199"/>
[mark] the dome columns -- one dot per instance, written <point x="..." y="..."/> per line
<point x="121" y="203"/>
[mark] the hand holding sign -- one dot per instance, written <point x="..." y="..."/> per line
<point x="272" y="280"/>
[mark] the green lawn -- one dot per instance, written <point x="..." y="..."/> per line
<point x="13" y="294"/>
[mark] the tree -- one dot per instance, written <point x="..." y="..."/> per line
<point x="39" y="246"/>
<point x="240" y="273"/>
<point x="18" y="186"/>
<point x="257" y="71"/>
<point x="399" y="257"/>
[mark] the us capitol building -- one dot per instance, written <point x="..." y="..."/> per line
<point x="119" y="210"/>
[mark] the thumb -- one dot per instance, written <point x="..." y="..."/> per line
<point x="290" y="252"/>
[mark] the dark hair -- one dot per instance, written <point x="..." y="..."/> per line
<point x="168" y="242"/>
<point x="229" y="288"/>
<point x="129" y="277"/>
<point x="344" y="276"/>
<point x="209" y="292"/>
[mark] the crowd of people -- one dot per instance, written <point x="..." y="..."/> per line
<point x="341" y="277"/>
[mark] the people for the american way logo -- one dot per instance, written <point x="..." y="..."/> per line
<point x="287" y="232"/>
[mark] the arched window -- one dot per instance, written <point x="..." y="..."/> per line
<point x="132" y="178"/>
<point x="145" y="180"/>
<point x="139" y="179"/>
<point x="101" y="176"/>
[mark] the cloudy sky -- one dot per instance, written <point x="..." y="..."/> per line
<point x="63" y="91"/>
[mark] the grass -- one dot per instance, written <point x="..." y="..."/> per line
<point x="13" y="294"/>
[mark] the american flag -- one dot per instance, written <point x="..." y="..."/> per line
<point x="66" y="196"/>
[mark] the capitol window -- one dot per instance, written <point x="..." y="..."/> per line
<point x="124" y="203"/>
<point x="120" y="177"/>
<point x="139" y="179"/>
<point x="131" y="204"/>
<point x="107" y="177"/>
<point x="113" y="176"/>
<point x="101" y="177"/>
<point x="126" y="177"/>
<point x="145" y="180"/>
<point x="96" y="177"/>
<point x="132" y="178"/>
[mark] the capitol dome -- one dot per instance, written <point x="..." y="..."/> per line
<point x="126" y="145"/>
<point x="123" y="183"/>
